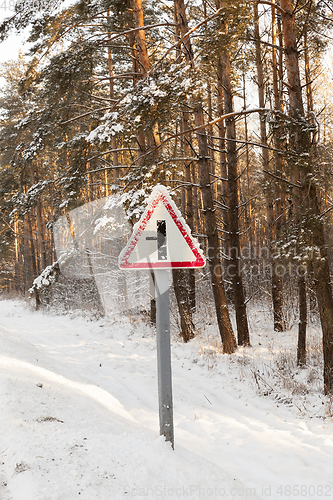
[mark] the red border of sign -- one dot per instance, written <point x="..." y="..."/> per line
<point x="124" y="264"/>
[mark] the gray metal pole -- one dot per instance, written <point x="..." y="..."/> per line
<point x="164" y="354"/>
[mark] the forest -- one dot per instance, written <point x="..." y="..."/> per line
<point x="226" y="103"/>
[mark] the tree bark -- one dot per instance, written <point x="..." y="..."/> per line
<point x="189" y="204"/>
<point x="181" y="286"/>
<point x="153" y="138"/>
<point x="222" y="152"/>
<point x="235" y="254"/>
<point x="222" y="313"/>
<point x="18" y="255"/>
<point x="226" y="332"/>
<point x="276" y="282"/>
<point x="301" y="345"/>
<point x="309" y="97"/>
<point x="141" y="36"/>
<point x="40" y="223"/>
<point x="304" y="166"/>
<point x="116" y="171"/>
<point x="141" y="65"/>
<point x="33" y="261"/>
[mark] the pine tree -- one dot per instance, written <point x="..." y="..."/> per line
<point x="300" y="140"/>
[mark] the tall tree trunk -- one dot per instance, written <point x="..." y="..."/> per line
<point x="33" y="260"/>
<point x="186" y="140"/>
<point x="180" y="284"/>
<point x="17" y="267"/>
<point x="189" y="203"/>
<point x="276" y="283"/>
<point x="301" y="283"/>
<point x="235" y="254"/>
<point x="115" y="162"/>
<point x="141" y="65"/>
<point x="226" y="332"/>
<point x="225" y="328"/>
<point x="40" y="221"/>
<point x="277" y="137"/>
<point x="301" y="345"/>
<point x="222" y="151"/>
<point x="140" y="35"/>
<point x="153" y="140"/>
<point x="141" y="139"/>
<point x="309" y="97"/>
<point x="248" y="208"/>
<point x="210" y="140"/>
<point x="308" y="193"/>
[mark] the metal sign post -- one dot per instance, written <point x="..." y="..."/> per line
<point x="161" y="240"/>
<point x="164" y="354"/>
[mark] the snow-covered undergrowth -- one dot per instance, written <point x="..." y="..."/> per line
<point x="79" y="412"/>
<point x="270" y="365"/>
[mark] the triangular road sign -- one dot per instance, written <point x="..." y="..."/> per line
<point x="161" y="239"/>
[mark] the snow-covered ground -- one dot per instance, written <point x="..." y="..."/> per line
<point x="79" y="414"/>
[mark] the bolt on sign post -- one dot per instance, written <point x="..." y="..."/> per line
<point x="161" y="240"/>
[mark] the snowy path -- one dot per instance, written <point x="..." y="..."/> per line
<point x="79" y="419"/>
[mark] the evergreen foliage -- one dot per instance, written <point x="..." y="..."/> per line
<point x="109" y="101"/>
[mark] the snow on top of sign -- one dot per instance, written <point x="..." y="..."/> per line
<point x="165" y="192"/>
<point x="161" y="189"/>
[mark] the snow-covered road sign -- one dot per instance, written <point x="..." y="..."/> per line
<point x="161" y="239"/>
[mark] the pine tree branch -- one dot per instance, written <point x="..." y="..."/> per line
<point x="133" y="30"/>
<point x="181" y="40"/>
<point x="272" y="4"/>
<point x="217" y="120"/>
<point x="282" y="179"/>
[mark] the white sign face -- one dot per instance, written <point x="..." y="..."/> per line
<point x="161" y="239"/>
